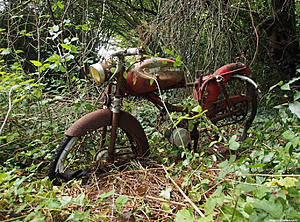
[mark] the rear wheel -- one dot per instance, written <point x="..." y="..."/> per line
<point x="77" y="157"/>
<point x="236" y="114"/>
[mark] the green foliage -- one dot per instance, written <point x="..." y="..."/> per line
<point x="184" y="216"/>
<point x="24" y="198"/>
<point x="44" y="88"/>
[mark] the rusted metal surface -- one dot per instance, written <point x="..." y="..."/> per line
<point x="133" y="128"/>
<point x="90" y="122"/>
<point x="111" y="148"/>
<point x="102" y="118"/>
<point x="139" y="81"/>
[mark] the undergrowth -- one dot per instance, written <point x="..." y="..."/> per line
<point x="257" y="180"/>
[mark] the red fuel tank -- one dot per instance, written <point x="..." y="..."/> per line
<point x="166" y="74"/>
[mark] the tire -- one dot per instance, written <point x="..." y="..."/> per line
<point x="243" y="98"/>
<point x="78" y="157"/>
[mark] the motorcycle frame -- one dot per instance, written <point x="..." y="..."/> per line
<point x="92" y="121"/>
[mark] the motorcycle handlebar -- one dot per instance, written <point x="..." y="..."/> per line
<point x="129" y="52"/>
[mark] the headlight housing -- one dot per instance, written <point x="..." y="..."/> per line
<point x="100" y="72"/>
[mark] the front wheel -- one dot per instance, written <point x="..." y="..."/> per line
<point x="80" y="156"/>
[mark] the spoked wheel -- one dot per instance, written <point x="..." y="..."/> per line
<point x="78" y="157"/>
<point x="236" y="111"/>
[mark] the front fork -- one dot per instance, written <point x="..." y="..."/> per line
<point x="116" y="107"/>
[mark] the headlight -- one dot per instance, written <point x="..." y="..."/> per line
<point x="99" y="72"/>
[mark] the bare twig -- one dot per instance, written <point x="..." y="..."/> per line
<point x="9" y="107"/>
<point x="256" y="34"/>
<point x="183" y="194"/>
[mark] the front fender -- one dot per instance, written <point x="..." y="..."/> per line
<point x="90" y="122"/>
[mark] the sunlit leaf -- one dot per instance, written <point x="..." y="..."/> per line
<point x="288" y="182"/>
<point x="166" y="207"/>
<point x="108" y="194"/>
<point x="151" y="81"/>
<point x="125" y="75"/>
<point x="184" y="215"/>
<point x="36" y="63"/>
<point x="166" y="193"/>
<point x="55" y="28"/>
<point x="297" y="96"/>
<point x="210" y="205"/>
<point x="295" y="108"/>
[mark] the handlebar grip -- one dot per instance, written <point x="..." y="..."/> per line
<point x="129" y="52"/>
<point x="132" y="51"/>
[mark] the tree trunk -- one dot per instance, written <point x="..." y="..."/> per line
<point x="284" y="44"/>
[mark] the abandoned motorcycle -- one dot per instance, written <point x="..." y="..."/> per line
<point x="109" y="134"/>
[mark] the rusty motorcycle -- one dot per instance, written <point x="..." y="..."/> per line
<point x="109" y="134"/>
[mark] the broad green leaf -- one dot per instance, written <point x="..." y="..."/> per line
<point x="125" y="75"/>
<point x="208" y="218"/>
<point x="272" y="208"/>
<point x="261" y="191"/>
<point x="74" y="39"/>
<point x="288" y="135"/>
<point x="2" y="176"/>
<point x="108" y="194"/>
<point x="234" y="145"/>
<point x="54" y="7"/>
<point x="294" y="80"/>
<point x="121" y="200"/>
<point x="65" y="200"/>
<point x="210" y="205"/>
<point x="267" y="158"/>
<point x="288" y="182"/>
<point x="65" y="46"/>
<point x="197" y="109"/>
<point x="169" y="52"/>
<point x="73" y="49"/>
<point x="256" y="165"/>
<point x="36" y="63"/>
<point x="60" y="4"/>
<point x="166" y="207"/>
<point x="44" y="67"/>
<point x="22" y="207"/>
<point x="54" y="204"/>
<point x="278" y="84"/>
<point x="85" y="27"/>
<point x="5" y="51"/>
<point x="37" y="93"/>
<point x="297" y="96"/>
<point x="285" y="87"/>
<point x="295" y="108"/>
<point x="178" y="58"/>
<point x="151" y="81"/>
<point x="55" y="28"/>
<point x="184" y="215"/>
<point x="79" y="216"/>
<point x="62" y="68"/>
<point x="79" y="199"/>
<point x="246" y="187"/>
